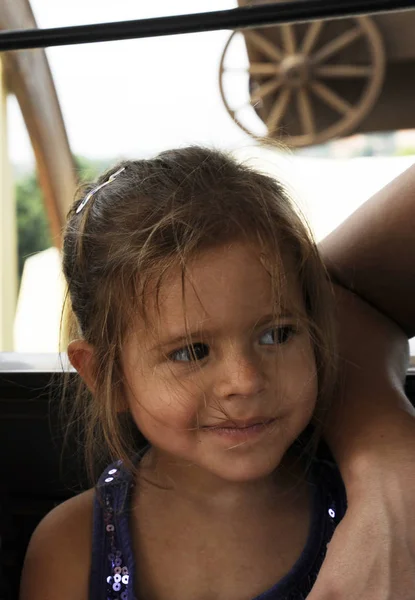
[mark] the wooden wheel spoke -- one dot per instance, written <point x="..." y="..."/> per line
<point x="331" y="98"/>
<point x="305" y="111"/>
<point x="311" y="37"/>
<point x="261" y="68"/>
<point x="263" y="44"/>
<point x="288" y="39"/>
<point x="344" y="71"/>
<point x="265" y="89"/>
<point x="337" y="44"/>
<point x="278" y="110"/>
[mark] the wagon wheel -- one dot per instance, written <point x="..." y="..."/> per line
<point x="293" y="82"/>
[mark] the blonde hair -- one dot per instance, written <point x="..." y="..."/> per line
<point x="154" y="215"/>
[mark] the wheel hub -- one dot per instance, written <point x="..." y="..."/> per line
<point x="295" y="70"/>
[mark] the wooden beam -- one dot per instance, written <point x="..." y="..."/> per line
<point x="8" y="231"/>
<point x="30" y="79"/>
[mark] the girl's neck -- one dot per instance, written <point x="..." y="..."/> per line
<point x="190" y="483"/>
<point x="198" y="536"/>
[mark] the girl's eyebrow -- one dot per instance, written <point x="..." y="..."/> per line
<point x="184" y="338"/>
<point x="285" y="314"/>
<point x="179" y="340"/>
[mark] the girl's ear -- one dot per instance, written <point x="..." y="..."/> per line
<point x="82" y="357"/>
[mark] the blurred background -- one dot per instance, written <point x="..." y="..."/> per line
<point x="340" y="95"/>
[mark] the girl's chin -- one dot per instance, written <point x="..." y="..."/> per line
<point x="244" y="469"/>
<point x="206" y="470"/>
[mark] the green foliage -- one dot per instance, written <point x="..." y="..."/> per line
<point x="407" y="151"/>
<point x="88" y="170"/>
<point x="32" y="224"/>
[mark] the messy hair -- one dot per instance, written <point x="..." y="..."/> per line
<point x="158" y="214"/>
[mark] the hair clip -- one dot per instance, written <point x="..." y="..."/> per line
<point x="95" y="190"/>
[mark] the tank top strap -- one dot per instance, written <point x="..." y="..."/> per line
<point x="112" y="568"/>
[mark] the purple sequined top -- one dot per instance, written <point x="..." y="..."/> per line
<point x="112" y="571"/>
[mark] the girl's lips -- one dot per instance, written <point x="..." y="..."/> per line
<point x="238" y="432"/>
<point x="241" y="424"/>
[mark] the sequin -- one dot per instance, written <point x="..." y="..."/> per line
<point x="118" y="581"/>
<point x="332" y="513"/>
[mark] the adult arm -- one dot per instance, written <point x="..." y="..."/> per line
<point x="371" y="425"/>
<point x="373" y="251"/>
<point x="373" y="254"/>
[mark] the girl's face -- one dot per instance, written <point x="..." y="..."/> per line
<point x="231" y="403"/>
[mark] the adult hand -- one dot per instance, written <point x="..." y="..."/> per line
<point x="372" y="553"/>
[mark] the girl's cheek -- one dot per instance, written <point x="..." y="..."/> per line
<point x="295" y="372"/>
<point x="171" y="401"/>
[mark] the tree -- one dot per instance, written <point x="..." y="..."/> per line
<point x="405" y="151"/>
<point x="33" y="232"/>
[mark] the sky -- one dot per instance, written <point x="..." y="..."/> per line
<point x="134" y="97"/>
<point x="137" y="97"/>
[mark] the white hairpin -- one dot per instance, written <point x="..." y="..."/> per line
<point x="95" y="190"/>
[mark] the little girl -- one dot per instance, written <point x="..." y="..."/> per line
<point x="204" y="312"/>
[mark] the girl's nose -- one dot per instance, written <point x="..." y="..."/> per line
<point x="240" y="375"/>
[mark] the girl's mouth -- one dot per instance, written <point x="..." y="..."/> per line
<point x="240" y="423"/>
<point x="240" y="428"/>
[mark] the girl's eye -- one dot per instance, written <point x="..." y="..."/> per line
<point x="191" y="353"/>
<point x="277" y="335"/>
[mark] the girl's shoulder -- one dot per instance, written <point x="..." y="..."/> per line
<point x="58" y="558"/>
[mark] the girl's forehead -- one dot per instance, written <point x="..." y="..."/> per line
<point x="225" y="283"/>
<point x="233" y="265"/>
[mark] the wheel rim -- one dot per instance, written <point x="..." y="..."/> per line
<point x="298" y="73"/>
